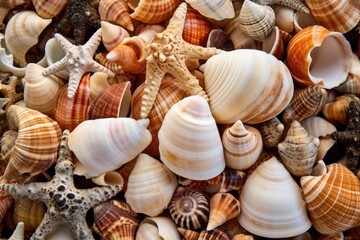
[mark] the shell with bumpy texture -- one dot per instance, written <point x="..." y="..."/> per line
<point x="215" y="9"/>
<point x="116" y="11"/>
<point x="49" y="8"/>
<point x="271" y="132"/>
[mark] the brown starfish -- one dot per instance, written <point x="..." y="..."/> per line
<point x="8" y="88"/>
<point x="167" y="53"/>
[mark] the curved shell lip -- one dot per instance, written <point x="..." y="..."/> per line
<point x="54" y="53"/>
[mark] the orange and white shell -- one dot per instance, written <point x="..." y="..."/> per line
<point x="310" y="61"/>
<point x="116" y="11"/>
<point x="215" y="9"/>
<point x="49" y="8"/>
<point x="105" y="144"/>
<point x="352" y="83"/>
<point x="182" y="144"/>
<point x="271" y="203"/>
<point x="336" y="111"/>
<point x="333" y="199"/>
<point x="256" y="96"/>
<point x="112" y="35"/>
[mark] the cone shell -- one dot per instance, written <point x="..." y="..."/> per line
<point x="242" y="146"/>
<point x="49" y="8"/>
<point x="228" y="180"/>
<point x="181" y="140"/>
<point x="112" y="35"/>
<point x="40" y="92"/>
<point x="189" y="209"/>
<point x="216" y="9"/>
<point x="152" y="228"/>
<point x="115" y="220"/>
<point x="271" y="132"/>
<point x="218" y="233"/>
<point x="258" y="97"/>
<point x="310" y="61"/>
<point x="116" y="11"/>
<point x="336" y="112"/>
<point x="36" y="146"/>
<point x="150" y="11"/>
<point x="105" y="144"/>
<point x="150" y="186"/>
<point x="336" y="15"/>
<point x="333" y="199"/>
<point x="271" y="203"/>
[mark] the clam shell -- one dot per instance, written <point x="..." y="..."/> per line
<point x="336" y="111"/>
<point x="258" y="97"/>
<point x="49" y="8"/>
<point x="216" y="9"/>
<point x="117" y="12"/>
<point x="271" y="203"/>
<point x="271" y="132"/>
<point x="100" y="148"/>
<point x="333" y="199"/>
<point x="152" y="228"/>
<point x="310" y="61"/>
<point x="150" y="186"/>
<point x="112" y="35"/>
<point x="181" y="140"/>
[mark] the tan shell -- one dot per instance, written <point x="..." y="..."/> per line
<point x="336" y="112"/>
<point x="49" y="8"/>
<point x="242" y="237"/>
<point x="109" y="178"/>
<point x="98" y="83"/>
<point x="318" y="127"/>
<point x="117" y="12"/>
<point x="284" y="18"/>
<point x="112" y="35"/>
<point x="157" y="228"/>
<point x="216" y="9"/>
<point x="303" y="20"/>
<point x="271" y="132"/>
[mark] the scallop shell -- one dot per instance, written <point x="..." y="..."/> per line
<point x="298" y="150"/>
<point x="36" y="146"/>
<point x="49" y="8"/>
<point x="152" y="228"/>
<point x="271" y="132"/>
<point x="215" y="9"/>
<point x="112" y="35"/>
<point x="336" y="112"/>
<point x="100" y="148"/>
<point x="242" y="146"/>
<point x="40" y="92"/>
<point x="228" y="180"/>
<point x="189" y="209"/>
<point x="258" y="97"/>
<point x="333" y="199"/>
<point x="310" y="61"/>
<point x="150" y="186"/>
<point x="181" y="140"/>
<point x="116" y="11"/>
<point x="22" y="32"/>
<point x="255" y="20"/>
<point x="271" y="203"/>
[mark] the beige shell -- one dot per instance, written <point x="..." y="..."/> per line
<point x="112" y="35"/>
<point x="333" y="199"/>
<point x="336" y="111"/>
<point x="22" y="32"/>
<point x="49" y="8"/>
<point x="215" y="9"/>
<point x="284" y="18"/>
<point x="318" y="127"/>
<point x="150" y="186"/>
<point x="271" y="132"/>
<point x="98" y="83"/>
<point x="109" y="178"/>
<point x="242" y="237"/>
<point x="157" y="228"/>
<point x="53" y="54"/>
<point x="242" y="146"/>
<point x="117" y="12"/>
<point x="255" y="20"/>
<point x="100" y="148"/>
<point x="7" y="60"/>
<point x="352" y="82"/>
<point x="182" y="144"/>
<point x="303" y="20"/>
<point x="239" y="38"/>
<point x="148" y="31"/>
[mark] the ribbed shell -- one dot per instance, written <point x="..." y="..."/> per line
<point x="6" y="204"/>
<point x="112" y="35"/>
<point x="189" y="209"/>
<point x="188" y="234"/>
<point x="36" y="146"/>
<point x="215" y="9"/>
<point x="336" y="111"/>
<point x="49" y="8"/>
<point x="305" y="103"/>
<point x="228" y="180"/>
<point x="116" y="11"/>
<point x="255" y="20"/>
<point x="333" y="199"/>
<point x="351" y="85"/>
<point x="242" y="146"/>
<point x="216" y="234"/>
<point x="271" y="132"/>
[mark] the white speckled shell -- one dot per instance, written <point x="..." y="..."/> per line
<point x="214" y="9"/>
<point x="271" y="132"/>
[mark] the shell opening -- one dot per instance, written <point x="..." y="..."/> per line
<point x="124" y="106"/>
<point x="303" y="20"/>
<point x="132" y="4"/>
<point x="269" y="43"/>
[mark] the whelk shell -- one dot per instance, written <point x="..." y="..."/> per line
<point x="215" y="9"/>
<point x="116" y="11"/>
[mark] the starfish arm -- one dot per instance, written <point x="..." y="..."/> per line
<point x="81" y="230"/>
<point x="31" y="191"/>
<point x="96" y="195"/>
<point x="47" y="225"/>
<point x="74" y="80"/>
<point x="93" y="43"/>
<point x="64" y="43"/>
<point x="176" y="23"/>
<point x="64" y="165"/>
<point x="97" y="67"/>
<point x="198" y="52"/>
<point x="53" y="68"/>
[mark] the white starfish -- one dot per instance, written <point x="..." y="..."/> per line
<point x="78" y="60"/>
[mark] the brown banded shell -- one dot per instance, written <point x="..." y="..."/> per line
<point x="49" y="8"/>
<point x="7" y="143"/>
<point x="188" y="234"/>
<point x="189" y="209"/>
<point x="216" y="234"/>
<point x="271" y="132"/>
<point x="6" y="204"/>
<point x="352" y="82"/>
<point x="215" y="9"/>
<point x="112" y="35"/>
<point x="226" y="181"/>
<point x="336" y="112"/>
<point x="116" y="11"/>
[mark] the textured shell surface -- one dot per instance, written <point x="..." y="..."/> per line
<point x="271" y="132"/>
<point x="53" y="54"/>
<point x="332" y="199"/>
<point x="182" y="144"/>
<point x="216" y="9"/>
<point x="112" y="35"/>
<point x="226" y="181"/>
<point x="336" y="111"/>
<point x="238" y="93"/>
<point x="271" y="203"/>
<point x="157" y="228"/>
<point x="49" y="8"/>
<point x="116" y="11"/>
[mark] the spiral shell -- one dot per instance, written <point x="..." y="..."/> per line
<point x="271" y="132"/>
<point x="216" y="9"/>
<point x="148" y="31"/>
<point x="333" y="199"/>
<point x="157" y="228"/>
<point x="336" y="111"/>
<point x="49" y="8"/>
<point x="117" y="12"/>
<point x="217" y="233"/>
<point x="352" y="83"/>
<point x="112" y="35"/>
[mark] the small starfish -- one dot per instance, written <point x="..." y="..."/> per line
<point x="78" y="60"/>
<point x="81" y="16"/>
<point x="167" y="53"/>
<point x="294" y="4"/>
<point x="351" y="137"/>
<point x="65" y="203"/>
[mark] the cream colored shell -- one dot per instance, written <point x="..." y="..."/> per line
<point x="214" y="9"/>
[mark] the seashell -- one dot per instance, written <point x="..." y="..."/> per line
<point x="217" y="233"/>
<point x="255" y="20"/>
<point x="170" y="92"/>
<point x="189" y="234"/>
<point x="153" y="228"/>
<point x="335" y="15"/>
<point x="303" y="20"/>
<point x="219" y="39"/>
<point x="196" y="28"/>
<point x="40" y="92"/>
<point x="325" y="144"/>
<point x="36" y="146"/>
<point x="148" y="31"/>
<point x="228" y="180"/>
<point x="22" y="32"/>
<point x="242" y="237"/>
<point x="53" y="54"/>
<point x="181" y="140"/>
<point x="60" y="233"/>
<point x="298" y="150"/>
<point x="112" y="35"/>
<point x="239" y="39"/>
<point x="8" y="139"/>
<point x="242" y="146"/>
<point x="125" y="171"/>
<point x="116" y="68"/>
<point x="149" y="11"/>
<point x="332" y="199"/>
<point x="284" y="18"/>
<point x="49" y="8"/>
<point x="271" y="203"/>
<point x="258" y="97"/>
<point x="216" y="9"/>
<point x="7" y="60"/>
<point x="70" y="112"/>
<point x="5" y="7"/>
<point x="189" y="209"/>
<point x="99" y="148"/>
<point x="112" y="102"/>
<point x="318" y="127"/>
<point x="355" y="232"/>
<point x="115" y="220"/>
<point x="336" y="112"/>
<point x="108" y="178"/>
<point x="6" y="204"/>
<point x="310" y="62"/>
<point x="150" y="186"/>
<point x="276" y="42"/>
<point x="352" y="83"/>
<point x="305" y="103"/>
<point x="98" y="83"/>
<point x="130" y="55"/>
<point x="335" y="236"/>
<point x="271" y="132"/>
<point x="319" y="169"/>
<point x="223" y="207"/>
<point x="116" y="11"/>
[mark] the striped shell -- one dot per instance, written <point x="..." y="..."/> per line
<point x="116" y="11"/>
<point x="5" y="7"/>
<point x="49" y="8"/>
<point x="215" y="9"/>
<point x="112" y="35"/>
<point x="336" y="111"/>
<point x="226" y="181"/>
<point x="333" y="199"/>
<point x="216" y="234"/>
<point x="352" y="83"/>
<point x="271" y="132"/>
